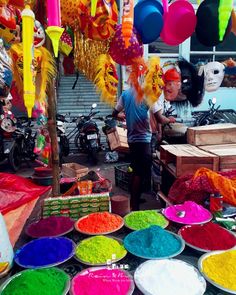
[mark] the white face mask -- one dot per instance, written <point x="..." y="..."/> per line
<point x="213" y="75"/>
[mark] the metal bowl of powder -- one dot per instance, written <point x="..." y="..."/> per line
<point x="117" y="276"/>
<point x="223" y="270"/>
<point x="169" y="276"/>
<point x="108" y="260"/>
<point x="137" y="220"/>
<point x="4" y="286"/>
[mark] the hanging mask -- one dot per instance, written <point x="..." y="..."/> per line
<point x="39" y="34"/>
<point x="213" y="75"/>
<point x="172" y="86"/>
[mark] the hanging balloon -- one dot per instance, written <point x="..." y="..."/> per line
<point x="127" y="21"/>
<point x="102" y="25"/>
<point x="225" y="9"/>
<point x="122" y="55"/>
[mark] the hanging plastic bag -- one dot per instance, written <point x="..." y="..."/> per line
<point x="6" y="250"/>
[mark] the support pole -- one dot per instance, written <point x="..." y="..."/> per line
<point x="54" y="144"/>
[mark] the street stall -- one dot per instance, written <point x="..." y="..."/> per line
<point x="63" y="231"/>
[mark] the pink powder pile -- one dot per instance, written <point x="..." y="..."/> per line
<point x="103" y="281"/>
<point x="194" y="213"/>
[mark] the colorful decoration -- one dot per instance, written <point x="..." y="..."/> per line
<point x="122" y="55"/>
<point x="28" y="56"/>
<point x="106" y="79"/>
<point x="65" y="43"/>
<point x="136" y="77"/>
<point x="224" y="13"/>
<point x="44" y="69"/>
<point x="5" y="71"/>
<point x="153" y="82"/>
<point x="54" y="29"/>
<point x="69" y="12"/>
<point x="86" y="51"/>
<point x="127" y="21"/>
<point x="172" y="80"/>
<point x="233" y="17"/>
<point x="102" y="25"/>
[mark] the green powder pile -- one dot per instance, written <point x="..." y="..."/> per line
<point x="143" y="219"/>
<point x="99" y="249"/>
<point x="47" y="281"/>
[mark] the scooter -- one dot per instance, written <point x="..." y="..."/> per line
<point x="88" y="138"/>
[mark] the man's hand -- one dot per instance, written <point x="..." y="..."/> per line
<point x="171" y="119"/>
<point x="121" y="117"/>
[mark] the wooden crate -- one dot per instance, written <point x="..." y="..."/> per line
<point x="184" y="158"/>
<point x="118" y="140"/>
<point x="226" y="154"/>
<point x="74" y="170"/>
<point x="212" y="134"/>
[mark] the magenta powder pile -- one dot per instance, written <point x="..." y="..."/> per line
<point x="194" y="213"/>
<point x="102" y="281"/>
<point x="50" y="227"/>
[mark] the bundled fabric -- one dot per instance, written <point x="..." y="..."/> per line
<point x="197" y="187"/>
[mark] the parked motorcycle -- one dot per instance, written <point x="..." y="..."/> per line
<point x="17" y="141"/>
<point x="63" y="141"/>
<point x="212" y="116"/>
<point x="88" y="138"/>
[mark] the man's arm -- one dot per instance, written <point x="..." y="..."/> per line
<point x="163" y="119"/>
<point x="118" y="108"/>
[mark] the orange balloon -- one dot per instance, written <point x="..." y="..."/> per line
<point x="127" y="21"/>
<point x="233" y="17"/>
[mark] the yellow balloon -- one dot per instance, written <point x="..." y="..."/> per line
<point x="28" y="57"/>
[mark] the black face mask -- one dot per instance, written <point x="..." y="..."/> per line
<point x="187" y="83"/>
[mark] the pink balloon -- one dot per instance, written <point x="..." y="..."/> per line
<point x="122" y="55"/>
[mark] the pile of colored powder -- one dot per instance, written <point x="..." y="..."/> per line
<point x="221" y="268"/>
<point x="153" y="242"/>
<point x="50" y="227"/>
<point x="98" y="223"/>
<point x="45" y="251"/>
<point x="102" y="282"/>
<point x="194" y="213"/>
<point x="208" y="236"/>
<point x="48" y="281"/>
<point x="143" y="219"/>
<point x="99" y="249"/>
<point x="168" y="277"/>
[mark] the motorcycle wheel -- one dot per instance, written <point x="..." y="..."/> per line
<point x="64" y="143"/>
<point x="14" y="157"/>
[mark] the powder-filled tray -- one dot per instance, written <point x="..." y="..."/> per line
<point x="107" y="261"/>
<point x="86" y="220"/>
<point x="129" y="248"/>
<point x="115" y="281"/>
<point x="210" y="280"/>
<point x="45" y="252"/>
<point x="17" y="276"/>
<point x="146" y="218"/>
<point x="193" y="213"/>
<point x="52" y="226"/>
<point x="169" y="276"/>
<point x="189" y="230"/>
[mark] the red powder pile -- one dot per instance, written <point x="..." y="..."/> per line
<point x="101" y="222"/>
<point x="50" y="227"/>
<point x="208" y="236"/>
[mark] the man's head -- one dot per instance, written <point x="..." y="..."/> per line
<point x="172" y="86"/>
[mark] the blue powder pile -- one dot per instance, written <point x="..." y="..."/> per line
<point x="152" y="242"/>
<point x="45" y="251"/>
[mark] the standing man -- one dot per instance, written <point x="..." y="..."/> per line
<point x="139" y="138"/>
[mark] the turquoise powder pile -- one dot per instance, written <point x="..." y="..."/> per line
<point x="153" y="242"/>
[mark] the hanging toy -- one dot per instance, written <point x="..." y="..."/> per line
<point x="28" y="57"/>
<point x="106" y="79"/>
<point x="153" y="81"/>
<point x="138" y="70"/>
<point x="54" y="29"/>
<point x="224" y="13"/>
<point x="40" y="144"/>
<point x="127" y="21"/>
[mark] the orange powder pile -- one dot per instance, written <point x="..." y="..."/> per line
<point x="101" y="222"/>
